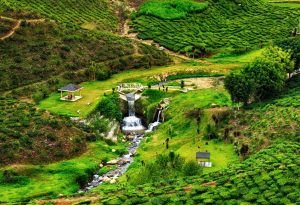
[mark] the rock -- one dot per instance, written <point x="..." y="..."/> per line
<point x="123" y="161"/>
<point x="96" y="177"/>
<point x="112" y="162"/>
<point x="130" y="137"/>
<point x="113" y="150"/>
<point x="123" y="140"/>
<point x="106" y="179"/>
<point x="113" y="181"/>
<point x="101" y="165"/>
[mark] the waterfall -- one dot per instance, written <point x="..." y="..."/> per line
<point x="131" y="109"/>
<point x="153" y="125"/>
<point x="132" y="124"/>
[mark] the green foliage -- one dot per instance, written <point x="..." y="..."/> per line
<point x="166" y="167"/>
<point x="225" y="26"/>
<point x="293" y="45"/>
<point x="171" y="9"/>
<point x="109" y="107"/>
<point x="70" y="13"/>
<point x="240" y="87"/>
<point x="262" y="78"/>
<point x="259" y="179"/>
<point x="261" y="123"/>
<point x="31" y="135"/>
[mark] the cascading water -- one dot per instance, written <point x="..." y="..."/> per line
<point x="153" y="125"/>
<point x="132" y="124"/>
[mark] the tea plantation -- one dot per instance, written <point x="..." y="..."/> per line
<point x="223" y="27"/>
<point x="270" y="176"/>
<point x="29" y="135"/>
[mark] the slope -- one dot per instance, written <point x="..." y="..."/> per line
<point x="224" y="27"/>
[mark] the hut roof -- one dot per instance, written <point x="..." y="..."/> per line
<point x="202" y="155"/>
<point x="70" y="88"/>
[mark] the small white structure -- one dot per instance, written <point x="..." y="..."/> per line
<point x="203" y="159"/>
<point x="71" y="90"/>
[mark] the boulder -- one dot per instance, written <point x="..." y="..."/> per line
<point x="112" y="162"/>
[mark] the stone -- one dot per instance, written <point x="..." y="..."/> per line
<point x="96" y="176"/>
<point x="123" y="161"/>
<point x="106" y="179"/>
<point x="101" y="165"/>
<point x="113" y="162"/>
<point x="113" y="181"/>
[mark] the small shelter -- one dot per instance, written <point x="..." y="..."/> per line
<point x="203" y="159"/>
<point x="71" y="90"/>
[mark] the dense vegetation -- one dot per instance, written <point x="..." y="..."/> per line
<point x="46" y="50"/>
<point x="268" y="177"/>
<point x="93" y="14"/>
<point x="262" y="78"/>
<point x="172" y="9"/>
<point x="31" y="135"/>
<point x="225" y="26"/>
<point x="260" y="124"/>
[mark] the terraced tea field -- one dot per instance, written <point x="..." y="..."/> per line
<point x="221" y="28"/>
<point x="72" y="13"/>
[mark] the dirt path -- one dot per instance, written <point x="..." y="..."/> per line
<point x="12" y="31"/>
<point x="17" y="24"/>
<point x="133" y="36"/>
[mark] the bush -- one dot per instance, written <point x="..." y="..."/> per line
<point x="109" y="107"/>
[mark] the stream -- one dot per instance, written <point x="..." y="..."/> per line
<point x="131" y="125"/>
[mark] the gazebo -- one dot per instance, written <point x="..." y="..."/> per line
<point x="71" y="90"/>
<point x="203" y="159"/>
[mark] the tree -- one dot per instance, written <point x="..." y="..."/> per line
<point x="277" y="54"/>
<point x="240" y="87"/>
<point x="291" y="45"/>
<point x="269" y="76"/>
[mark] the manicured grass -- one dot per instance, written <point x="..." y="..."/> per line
<point x="56" y="178"/>
<point x="93" y="91"/>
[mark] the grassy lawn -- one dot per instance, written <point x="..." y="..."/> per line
<point x="54" y="179"/>
<point x="240" y="59"/>
<point x="93" y="91"/>
<point x="184" y="139"/>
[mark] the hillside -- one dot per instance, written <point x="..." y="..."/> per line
<point x="268" y="177"/>
<point x="95" y="14"/>
<point x="29" y="135"/>
<point x="181" y="102"/>
<point x="41" y="50"/>
<point x="223" y="27"/>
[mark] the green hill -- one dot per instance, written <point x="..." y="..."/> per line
<point x="224" y="27"/>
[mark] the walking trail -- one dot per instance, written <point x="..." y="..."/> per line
<point x="133" y="36"/>
<point x="17" y="24"/>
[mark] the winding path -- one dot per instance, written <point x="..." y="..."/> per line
<point x="17" y="24"/>
<point x="133" y="36"/>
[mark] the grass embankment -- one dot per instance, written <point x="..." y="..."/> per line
<point x="52" y="180"/>
<point x="93" y="91"/>
<point x="224" y="27"/>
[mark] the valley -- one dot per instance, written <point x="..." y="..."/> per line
<point x="165" y="102"/>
